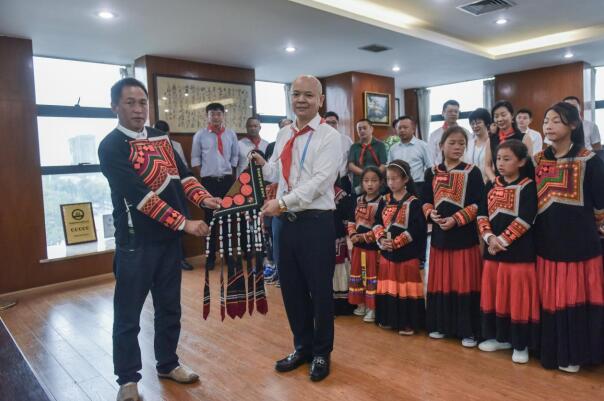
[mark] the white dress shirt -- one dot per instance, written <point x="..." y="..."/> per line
<point x="178" y="150"/>
<point x="245" y="147"/>
<point x="475" y="154"/>
<point x="133" y="134"/>
<point x="312" y="185"/>
<point x="204" y="153"/>
<point x="416" y="153"/>
<point x="346" y="144"/>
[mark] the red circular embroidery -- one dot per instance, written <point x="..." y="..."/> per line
<point x="246" y="190"/>
<point x="227" y="201"/>
<point x="245" y="178"/>
<point x="239" y="199"/>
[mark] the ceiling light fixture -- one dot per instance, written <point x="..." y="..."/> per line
<point x="396" y="68"/>
<point x="105" y="14"/>
<point x="569" y="54"/>
<point x="501" y="21"/>
<point x="290" y="49"/>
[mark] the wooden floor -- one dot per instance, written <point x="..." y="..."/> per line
<point x="66" y="336"/>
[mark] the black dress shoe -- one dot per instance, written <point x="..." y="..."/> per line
<point x="210" y="264"/>
<point x="319" y="369"/>
<point x="292" y="361"/>
<point x="185" y="265"/>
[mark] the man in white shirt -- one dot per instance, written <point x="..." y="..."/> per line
<point x="450" y="113"/>
<point x="305" y="163"/>
<point x="249" y="143"/>
<point x="524" y="118"/>
<point x="412" y="150"/>
<point x="590" y="130"/>
<point x="332" y="119"/>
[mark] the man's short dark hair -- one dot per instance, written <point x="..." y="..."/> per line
<point x="395" y="122"/>
<point x="525" y="111"/>
<point x="252" y="118"/>
<point x="450" y="102"/>
<point x="410" y="118"/>
<point x="363" y="120"/>
<point x="162" y="126"/>
<point x="332" y="114"/>
<point x="215" y="107"/>
<point x="118" y="87"/>
<point x="576" y="99"/>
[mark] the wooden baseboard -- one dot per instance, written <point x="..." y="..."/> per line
<point x="82" y="282"/>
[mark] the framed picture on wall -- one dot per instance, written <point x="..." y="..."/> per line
<point x="181" y="102"/>
<point x="377" y="108"/>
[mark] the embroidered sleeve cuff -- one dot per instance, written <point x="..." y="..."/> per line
<point x="484" y="227"/>
<point x="402" y="239"/>
<point x="466" y="215"/>
<point x="351" y="229"/>
<point x="154" y="207"/>
<point x="194" y="191"/>
<point x="378" y="232"/>
<point x="427" y="209"/>
<point x="599" y="214"/>
<point x="515" y="230"/>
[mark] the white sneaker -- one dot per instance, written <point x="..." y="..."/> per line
<point x="128" y="392"/>
<point x="181" y="374"/>
<point x="570" y="368"/>
<point x="520" y="356"/>
<point x="406" y="332"/>
<point x="469" y="342"/>
<point x="369" y="316"/>
<point x="360" y="310"/>
<point x="494" y="345"/>
<point x="436" y="335"/>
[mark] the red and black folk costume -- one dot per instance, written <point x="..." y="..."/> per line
<point x="509" y="298"/>
<point x="453" y="304"/>
<point x="569" y="256"/>
<point x="400" y="293"/>
<point x="365" y="253"/>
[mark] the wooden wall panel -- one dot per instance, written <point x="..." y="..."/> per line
<point x="146" y="67"/>
<point x="411" y="108"/>
<point x="344" y="95"/>
<point x="540" y="88"/>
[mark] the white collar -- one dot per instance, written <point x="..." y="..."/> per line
<point x="133" y="134"/>
<point x="413" y="141"/>
<point x="314" y="123"/>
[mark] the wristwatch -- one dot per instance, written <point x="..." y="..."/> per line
<point x="282" y="206"/>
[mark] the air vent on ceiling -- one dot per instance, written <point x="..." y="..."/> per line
<point x="486" y="6"/>
<point x="375" y="48"/>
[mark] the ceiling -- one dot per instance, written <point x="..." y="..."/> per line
<point x="448" y="47"/>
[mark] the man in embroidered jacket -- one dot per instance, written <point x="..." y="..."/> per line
<point x="148" y="190"/>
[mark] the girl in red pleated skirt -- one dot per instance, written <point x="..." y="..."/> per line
<point x="509" y="298"/>
<point x="452" y="193"/>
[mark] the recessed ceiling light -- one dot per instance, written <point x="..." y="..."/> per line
<point x="569" y="54"/>
<point x="164" y="98"/>
<point x="290" y="49"/>
<point x="396" y="68"/>
<point x="166" y="110"/>
<point x="105" y="14"/>
<point x="501" y="21"/>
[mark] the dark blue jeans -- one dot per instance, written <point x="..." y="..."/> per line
<point x="140" y="268"/>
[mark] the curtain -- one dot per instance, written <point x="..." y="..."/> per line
<point x="288" y="106"/>
<point x="423" y="109"/>
<point x="488" y="93"/>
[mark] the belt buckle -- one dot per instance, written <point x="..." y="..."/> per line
<point x="291" y="216"/>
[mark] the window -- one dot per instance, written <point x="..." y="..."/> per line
<point x="69" y="137"/>
<point x="469" y="94"/>
<point x="599" y="95"/>
<point x="271" y="104"/>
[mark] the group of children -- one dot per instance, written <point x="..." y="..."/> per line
<point x="538" y="284"/>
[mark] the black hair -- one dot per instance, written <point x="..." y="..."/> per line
<point x="162" y="126"/>
<point x="118" y="87"/>
<point x="372" y="169"/>
<point x="252" y="118"/>
<point x="401" y="166"/>
<point x="576" y="99"/>
<point x="395" y="122"/>
<point x="410" y="118"/>
<point x="332" y="114"/>
<point x="507" y="105"/>
<point x="453" y="130"/>
<point x="518" y="148"/>
<point x="215" y="107"/>
<point x="524" y="111"/>
<point x="450" y="102"/>
<point x="570" y="116"/>
<point x="481" y="114"/>
<point x="364" y="120"/>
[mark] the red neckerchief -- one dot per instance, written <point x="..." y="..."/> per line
<point x="373" y="155"/>
<point x="218" y="137"/>
<point x="504" y="135"/>
<point x="256" y="141"/>
<point x="286" y="153"/>
<point x="445" y="126"/>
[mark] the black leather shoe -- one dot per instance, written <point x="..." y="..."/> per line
<point x="292" y="361"/>
<point x="186" y="265"/>
<point x="210" y="264"/>
<point x="319" y="369"/>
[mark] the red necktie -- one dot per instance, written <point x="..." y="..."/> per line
<point x="445" y="126"/>
<point x="255" y="141"/>
<point x="286" y="153"/>
<point x="503" y="135"/>
<point x="218" y="137"/>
